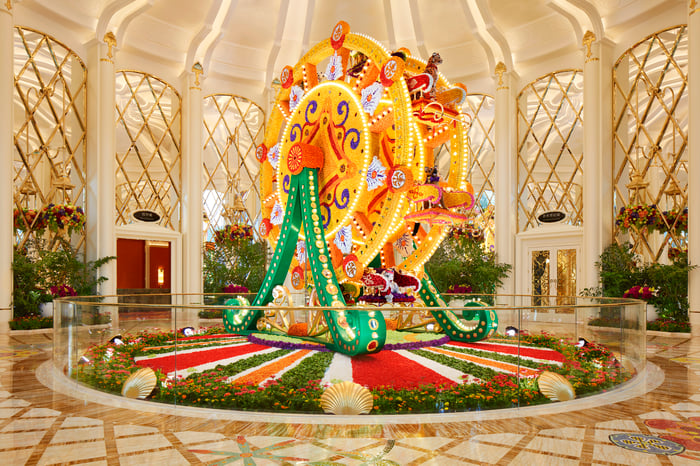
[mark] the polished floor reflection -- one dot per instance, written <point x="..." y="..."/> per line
<point x="39" y="425"/>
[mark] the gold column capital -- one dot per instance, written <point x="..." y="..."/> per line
<point x="692" y="6"/>
<point x="8" y="5"/>
<point x="500" y="69"/>
<point x="588" y="39"/>
<point x="111" y="42"/>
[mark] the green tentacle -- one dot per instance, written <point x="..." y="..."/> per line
<point x="486" y="319"/>
<point x="353" y="331"/>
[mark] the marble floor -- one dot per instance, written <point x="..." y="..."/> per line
<point x="40" y="425"/>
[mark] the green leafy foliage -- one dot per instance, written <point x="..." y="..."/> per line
<point x="33" y="278"/>
<point x="619" y="271"/>
<point x="463" y="261"/>
<point x="241" y="261"/>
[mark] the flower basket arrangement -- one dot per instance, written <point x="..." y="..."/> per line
<point x="233" y="288"/>
<point x="676" y="220"/>
<point x="641" y="216"/>
<point x="28" y="219"/>
<point x="468" y="231"/>
<point x="641" y="292"/>
<point x="61" y="291"/>
<point x="231" y="233"/>
<point x="459" y="289"/>
<point x="63" y="217"/>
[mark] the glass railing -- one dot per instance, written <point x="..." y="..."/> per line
<point x="542" y="350"/>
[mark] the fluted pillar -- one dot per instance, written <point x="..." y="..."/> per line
<point x="597" y="154"/>
<point x="192" y="182"/>
<point x="694" y="163"/>
<point x="506" y="137"/>
<point x="6" y="151"/>
<point x="101" y="209"/>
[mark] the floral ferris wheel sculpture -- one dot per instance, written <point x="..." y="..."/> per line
<point x="352" y="201"/>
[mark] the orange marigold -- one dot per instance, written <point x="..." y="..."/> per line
<point x="298" y="330"/>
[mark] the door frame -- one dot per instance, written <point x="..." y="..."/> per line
<point x="149" y="232"/>
<point x="548" y="237"/>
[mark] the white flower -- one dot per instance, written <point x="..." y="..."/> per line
<point x="301" y="251"/>
<point x="376" y="174"/>
<point x="273" y="156"/>
<point x="277" y="215"/>
<point x="343" y="239"/>
<point x="334" y="70"/>
<point x="371" y="96"/>
<point x="295" y="96"/>
<point x="404" y="245"/>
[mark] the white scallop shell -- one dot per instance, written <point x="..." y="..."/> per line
<point x="556" y="387"/>
<point x="347" y="398"/>
<point x="140" y="384"/>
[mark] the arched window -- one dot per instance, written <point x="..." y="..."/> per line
<point x="233" y="127"/>
<point x="483" y="161"/>
<point x="50" y="133"/>
<point x="149" y="155"/>
<point x="650" y="144"/>
<point x="550" y="148"/>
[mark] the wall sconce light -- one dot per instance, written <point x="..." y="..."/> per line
<point x="161" y="276"/>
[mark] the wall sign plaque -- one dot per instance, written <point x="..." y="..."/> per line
<point x="553" y="216"/>
<point x="146" y="216"/>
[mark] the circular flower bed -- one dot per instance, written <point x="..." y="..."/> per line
<point x="415" y="373"/>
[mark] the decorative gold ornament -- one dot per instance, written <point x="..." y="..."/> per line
<point x="347" y="398"/>
<point x="555" y="386"/>
<point x="693" y="6"/>
<point x="197" y="70"/>
<point x="140" y="384"/>
<point x="588" y="39"/>
<point x="111" y="42"/>
<point x="500" y="69"/>
<point x="8" y="4"/>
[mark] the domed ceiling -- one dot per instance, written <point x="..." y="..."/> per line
<point x="250" y="41"/>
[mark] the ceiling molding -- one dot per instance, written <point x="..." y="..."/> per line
<point x="126" y="15"/>
<point x="390" y="30"/>
<point x="418" y="28"/>
<point x="203" y="44"/>
<point x="277" y="43"/>
<point x="106" y="16"/>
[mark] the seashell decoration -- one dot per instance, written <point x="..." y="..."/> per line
<point x="625" y="362"/>
<point x="555" y="386"/>
<point x="347" y="398"/>
<point x="140" y="384"/>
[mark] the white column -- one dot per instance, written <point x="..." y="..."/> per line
<point x="7" y="151"/>
<point x="506" y="137"/>
<point x="192" y="183"/>
<point x="101" y="207"/>
<point x="694" y="164"/>
<point x="597" y="155"/>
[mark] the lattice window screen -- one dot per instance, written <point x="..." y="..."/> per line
<point x="483" y="162"/>
<point x="50" y="83"/>
<point x="550" y="148"/>
<point x="650" y="125"/>
<point x="480" y="108"/>
<point x="233" y="127"/>
<point x="149" y="157"/>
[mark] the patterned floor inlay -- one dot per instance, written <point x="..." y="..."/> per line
<point x="647" y="444"/>
<point x="41" y="427"/>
